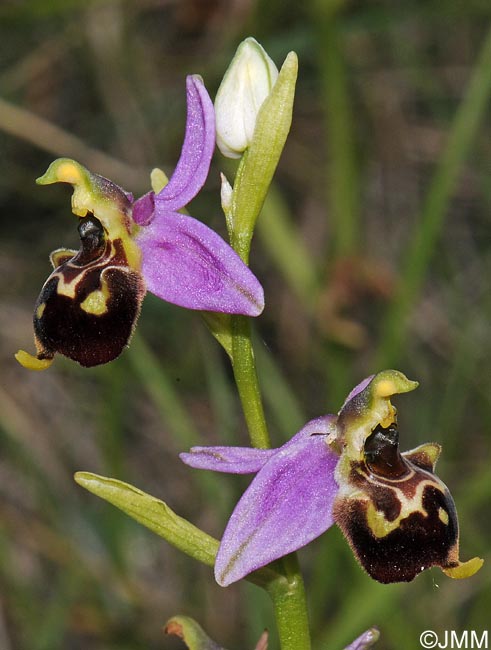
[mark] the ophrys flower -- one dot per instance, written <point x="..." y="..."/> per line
<point x="88" y="307"/>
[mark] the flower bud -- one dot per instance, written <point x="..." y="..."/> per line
<point x="246" y="84"/>
<point x="226" y="194"/>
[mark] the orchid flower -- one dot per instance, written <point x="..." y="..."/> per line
<point x="397" y="515"/>
<point x="88" y="307"/>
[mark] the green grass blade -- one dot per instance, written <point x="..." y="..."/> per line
<point x="284" y="245"/>
<point x="343" y="173"/>
<point x="428" y="228"/>
<point x="182" y="428"/>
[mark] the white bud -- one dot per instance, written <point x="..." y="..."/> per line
<point x="246" y="84"/>
<point x="226" y="194"/>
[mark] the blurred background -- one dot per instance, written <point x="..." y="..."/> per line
<point x="374" y="249"/>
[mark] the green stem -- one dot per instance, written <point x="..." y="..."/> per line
<point x="245" y="374"/>
<point x="287" y="591"/>
<point x="288" y="596"/>
<point x="243" y="361"/>
<point x="251" y="185"/>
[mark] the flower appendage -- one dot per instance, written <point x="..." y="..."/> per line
<point x="397" y="515"/>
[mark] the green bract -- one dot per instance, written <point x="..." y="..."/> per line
<point x="260" y="160"/>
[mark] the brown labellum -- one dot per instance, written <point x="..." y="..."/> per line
<point x="398" y="517"/>
<point x="88" y="307"/>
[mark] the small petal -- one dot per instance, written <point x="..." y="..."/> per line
<point x="144" y="209"/>
<point x="188" y="264"/>
<point x="199" y="144"/>
<point x="158" y="180"/>
<point x="232" y="460"/>
<point x="192" y="168"/>
<point x="287" y="505"/>
<point x="358" y="389"/>
<point x="248" y="460"/>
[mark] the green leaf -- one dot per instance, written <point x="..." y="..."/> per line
<point x="154" y="514"/>
<point x="220" y="325"/>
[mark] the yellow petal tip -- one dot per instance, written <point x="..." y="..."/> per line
<point x="31" y="362"/>
<point x="62" y="170"/>
<point x="392" y="382"/>
<point x="464" y="569"/>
